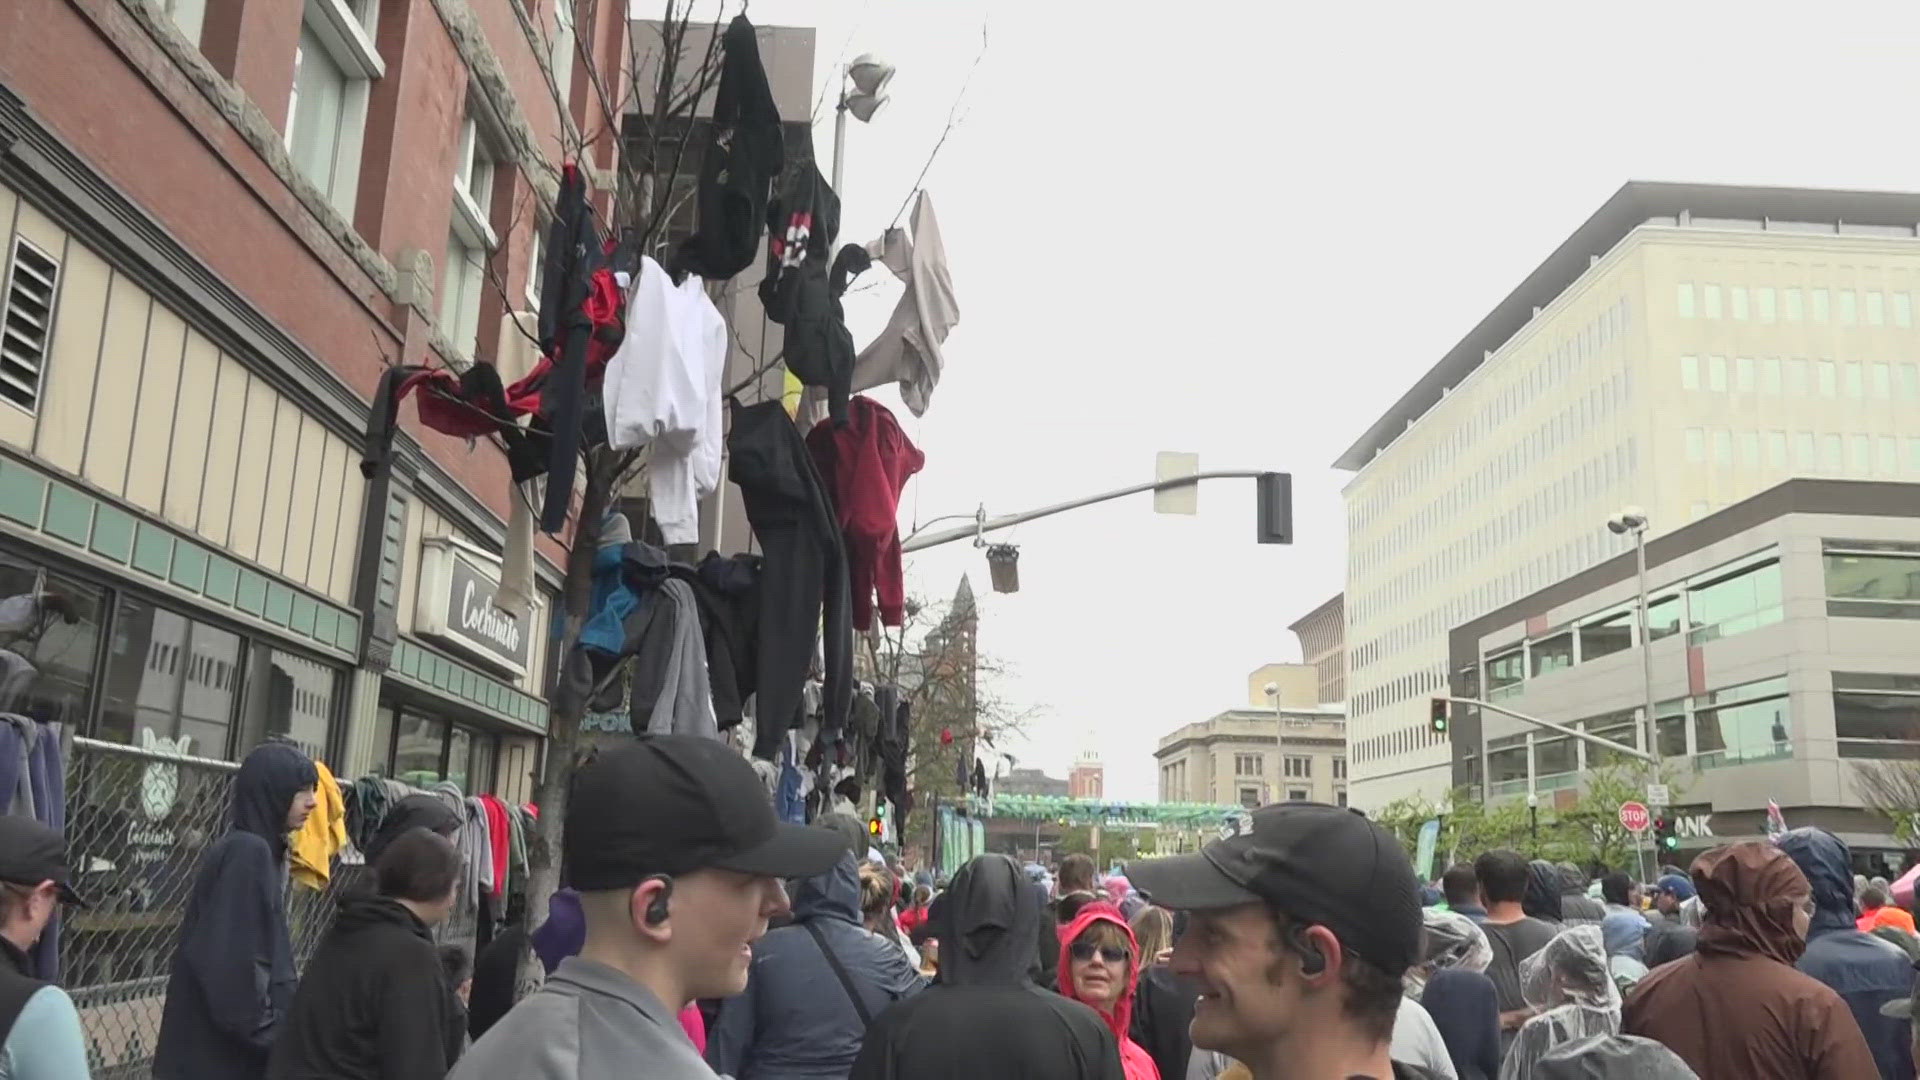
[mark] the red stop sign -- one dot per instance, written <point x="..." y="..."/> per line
<point x="1634" y="816"/>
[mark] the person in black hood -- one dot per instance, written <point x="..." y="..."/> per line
<point x="1575" y="905"/>
<point x="1542" y="898"/>
<point x="374" y="1003"/>
<point x="984" y="1016"/>
<point x="232" y="977"/>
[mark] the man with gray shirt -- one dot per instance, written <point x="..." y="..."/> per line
<point x="678" y="857"/>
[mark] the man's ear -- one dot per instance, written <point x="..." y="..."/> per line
<point x="650" y="908"/>
<point x="1321" y="956"/>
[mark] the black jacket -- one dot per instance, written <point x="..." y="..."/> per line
<point x="742" y="157"/>
<point x="805" y="281"/>
<point x="418" y="811"/>
<point x="232" y="977"/>
<point x="17" y="984"/>
<point x="984" y="1017"/>
<point x="373" y="1004"/>
<point x="572" y="254"/>
<point x="1162" y="1010"/>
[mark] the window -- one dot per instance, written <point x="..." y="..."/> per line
<point x="1876" y="308"/>
<point x="1790" y="303"/>
<point x="334" y="64"/>
<point x="1763" y="302"/>
<point x="1737" y="299"/>
<point x="1552" y="654"/>
<point x="1620" y="727"/>
<point x="1554" y="757"/>
<point x="1722" y="447"/>
<point x="33" y="280"/>
<point x="533" y="269"/>
<point x="292" y="697"/>
<point x="1505" y="672"/>
<point x="1797" y="378"/>
<point x="1902" y="310"/>
<point x="1803" y="454"/>
<point x="170" y="677"/>
<point x="1696" y="445"/>
<point x="1297" y="794"/>
<point x="1339" y="768"/>
<point x="188" y="16"/>
<point x="1301" y="767"/>
<point x="1909" y="382"/>
<point x="1710" y="301"/>
<point x="1827" y="378"/>
<point x="1606" y="634"/>
<point x="1663" y="616"/>
<point x="1250" y="797"/>
<point x="460" y="290"/>
<point x="1832" y="459"/>
<point x="54" y="623"/>
<point x="1246" y="764"/>
<point x="1340" y="797"/>
<point x="1743" y="374"/>
<point x="470" y="241"/>
<point x="1717" y="374"/>
<point x="1777" y="449"/>
<point x="1749" y="448"/>
<point x="1689" y="373"/>
<point x="1849" y="307"/>
<point x="1819" y="297"/>
<point x="1670" y="728"/>
<point x="1770" y="375"/>
<point x="1883" y="381"/>
<point x="1741" y="601"/>
<point x="1876" y="716"/>
<point x="1860" y="455"/>
<point x="1749" y="730"/>
<point x="1683" y="299"/>
<point x="1873" y="585"/>
<point x="560" y="51"/>
<point x="1852" y="380"/>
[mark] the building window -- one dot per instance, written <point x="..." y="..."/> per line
<point x="1737" y="297"/>
<point x="54" y="624"/>
<point x="1876" y="308"/>
<point x="1620" y="727"/>
<point x="1689" y="373"/>
<point x="418" y="749"/>
<point x="1790" y="304"/>
<point x="1683" y="299"/>
<point x="1297" y="794"/>
<point x="1505" y="673"/>
<point x="1819" y="305"/>
<point x="1301" y="767"/>
<point x="533" y="269"/>
<point x="1246" y="764"/>
<point x="291" y="697"/>
<point x="470" y="242"/>
<point x="1696" y="439"/>
<point x="1770" y="375"/>
<point x="188" y="16"/>
<point x="1552" y="654"/>
<point x="1763" y="302"/>
<point x="1889" y="448"/>
<point x="560" y="51"/>
<point x="1723" y="447"/>
<point x="1828" y="381"/>
<point x="1340" y="797"/>
<point x="334" y="66"/>
<point x="1663" y="616"/>
<point x="1606" y="634"/>
<point x="1902" y="310"/>
<point x="1742" y="601"/>
<point x="1909" y="382"/>
<point x="1876" y="716"/>
<point x="1742" y="723"/>
<point x="1555" y="757"/>
<point x="1881" y="585"/>
<point x="1250" y="797"/>
<point x="1855" y="385"/>
<point x="1710" y="301"/>
<point x="1832" y="457"/>
<point x="1717" y="374"/>
<point x="170" y="678"/>
<point x="1777" y="449"/>
<point x="1797" y="378"/>
<point x="1339" y="768"/>
<point x="1849" y="307"/>
<point x="1743" y="374"/>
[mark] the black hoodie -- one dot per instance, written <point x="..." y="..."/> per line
<point x="233" y="974"/>
<point x="373" y="1004"/>
<point x="417" y="811"/>
<point x="984" y="1017"/>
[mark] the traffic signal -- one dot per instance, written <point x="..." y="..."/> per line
<point x="1274" y="508"/>
<point x="1437" y="716"/>
<point x="1663" y="835"/>
<point x="874" y="827"/>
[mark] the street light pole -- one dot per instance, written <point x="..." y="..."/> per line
<point x="1634" y="520"/>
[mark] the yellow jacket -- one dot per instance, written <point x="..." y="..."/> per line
<point x="310" y="851"/>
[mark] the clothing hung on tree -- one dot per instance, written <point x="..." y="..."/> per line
<point x="803" y="586"/>
<point x="742" y="158"/>
<point x="805" y="280"/>
<point x="907" y="351"/>
<point x="33" y="783"/>
<point x="310" y="851"/>
<point x="866" y="462"/>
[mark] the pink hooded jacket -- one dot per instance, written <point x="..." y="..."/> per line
<point x="1134" y="1059"/>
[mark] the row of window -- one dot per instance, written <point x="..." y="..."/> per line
<point x="1555" y="365"/>
<point x="1808" y="453"/>
<point x="1389" y="744"/>
<point x="1798" y="378"/>
<point x="1294" y="766"/>
<point x="1847" y="307"/>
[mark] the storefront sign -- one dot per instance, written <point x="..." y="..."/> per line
<point x="456" y="607"/>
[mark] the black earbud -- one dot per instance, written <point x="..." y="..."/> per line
<point x="1312" y="960"/>
<point x="657" y="907"/>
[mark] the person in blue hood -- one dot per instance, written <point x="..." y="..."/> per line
<point x="812" y="989"/>
<point x="233" y="977"/>
<point x="1865" y="971"/>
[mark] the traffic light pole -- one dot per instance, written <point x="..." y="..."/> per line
<point x="1630" y="751"/>
<point x="983" y="524"/>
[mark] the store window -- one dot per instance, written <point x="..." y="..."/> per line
<point x="170" y="678"/>
<point x="426" y="751"/>
<point x="49" y="642"/>
<point x="291" y="697"/>
<point x="419" y="748"/>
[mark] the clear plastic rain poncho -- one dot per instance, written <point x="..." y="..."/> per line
<point x="1449" y="940"/>
<point x="1569" y="982"/>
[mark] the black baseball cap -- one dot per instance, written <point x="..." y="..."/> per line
<point x="1319" y="864"/>
<point x="672" y="804"/>
<point x="31" y="853"/>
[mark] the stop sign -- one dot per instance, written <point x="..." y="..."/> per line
<point x="1634" y="816"/>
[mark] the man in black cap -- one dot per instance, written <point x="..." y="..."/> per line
<point x="673" y="845"/>
<point x="1304" y="917"/>
<point x="40" y="1037"/>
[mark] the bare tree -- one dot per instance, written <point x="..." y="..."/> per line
<point x="1893" y="788"/>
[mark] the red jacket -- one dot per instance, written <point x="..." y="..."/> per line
<point x="865" y="463"/>
<point x="1134" y="1059"/>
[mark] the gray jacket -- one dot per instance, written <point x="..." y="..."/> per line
<point x="588" y="1022"/>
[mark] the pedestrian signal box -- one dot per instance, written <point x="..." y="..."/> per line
<point x="1664" y="838"/>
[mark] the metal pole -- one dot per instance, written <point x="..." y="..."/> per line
<point x="983" y="525"/>
<point x="840" y="138"/>
<point x="1584" y="736"/>
<point x="1646" y="652"/>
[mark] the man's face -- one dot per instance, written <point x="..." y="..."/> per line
<point x="716" y="916"/>
<point x="303" y="804"/>
<point x="1634" y="896"/>
<point x="1233" y="956"/>
<point x="1666" y="902"/>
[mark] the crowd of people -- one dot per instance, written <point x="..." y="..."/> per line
<point x="698" y="936"/>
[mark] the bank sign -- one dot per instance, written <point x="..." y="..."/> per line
<point x="456" y="607"/>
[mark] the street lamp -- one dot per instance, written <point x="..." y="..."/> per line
<point x="1634" y="520"/>
<point x="869" y="76"/>
<point x="1280" y="734"/>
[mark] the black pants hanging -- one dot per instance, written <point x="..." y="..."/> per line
<point x="805" y="570"/>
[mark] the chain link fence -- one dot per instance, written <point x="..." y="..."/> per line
<point x="137" y="822"/>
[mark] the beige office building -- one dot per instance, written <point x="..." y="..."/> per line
<point x="1281" y="745"/>
<point x="1685" y="348"/>
<point x="1323" y="646"/>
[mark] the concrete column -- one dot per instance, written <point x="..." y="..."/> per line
<point x="363" y="706"/>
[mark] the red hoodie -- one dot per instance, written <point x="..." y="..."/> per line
<point x="865" y="463"/>
<point x="1134" y="1059"/>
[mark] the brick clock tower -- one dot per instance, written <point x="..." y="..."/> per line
<point x="1088" y="778"/>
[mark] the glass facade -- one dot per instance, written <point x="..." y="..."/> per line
<point x="1876" y="716"/>
<point x="423" y="750"/>
<point x="1734" y="604"/>
<point x="1872" y="584"/>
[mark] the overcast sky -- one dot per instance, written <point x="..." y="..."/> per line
<point x="1244" y="234"/>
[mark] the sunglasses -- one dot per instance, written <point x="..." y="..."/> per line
<point x="1112" y="954"/>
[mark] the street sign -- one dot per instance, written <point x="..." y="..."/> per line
<point x="1658" y="796"/>
<point x="1634" y="817"/>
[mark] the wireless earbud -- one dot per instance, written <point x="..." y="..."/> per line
<point x="657" y="907"/>
<point x="1312" y="960"/>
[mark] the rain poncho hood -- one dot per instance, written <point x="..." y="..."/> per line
<point x="263" y="791"/>
<point x="1569" y="982"/>
<point x="1749" y="891"/>
<point x="832" y="895"/>
<point x="1450" y="942"/>
<point x="1823" y="860"/>
<point x="1542" y="898"/>
<point x="1133" y="1058"/>
<point x="1624" y="933"/>
<point x="986" y="925"/>
<point x="1612" y="1057"/>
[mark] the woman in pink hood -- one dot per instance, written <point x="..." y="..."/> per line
<point x="1100" y="968"/>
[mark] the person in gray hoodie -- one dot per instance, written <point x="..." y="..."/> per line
<point x="812" y="989"/>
